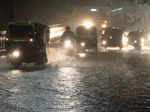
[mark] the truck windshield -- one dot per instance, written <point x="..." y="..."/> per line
<point x="20" y="31"/>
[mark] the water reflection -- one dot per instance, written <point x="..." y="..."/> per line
<point x="67" y="82"/>
<point x="14" y="90"/>
<point x="14" y="74"/>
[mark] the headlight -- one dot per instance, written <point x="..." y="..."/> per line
<point x="6" y="39"/>
<point x="16" y="53"/>
<point x="82" y="55"/>
<point x="87" y="24"/>
<point x="135" y="41"/>
<point x="125" y="40"/>
<point x="68" y="43"/>
<point x="31" y="40"/>
<point x="110" y="37"/>
<point x="104" y="42"/>
<point x="82" y="44"/>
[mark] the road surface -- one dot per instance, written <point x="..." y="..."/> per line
<point x="104" y="82"/>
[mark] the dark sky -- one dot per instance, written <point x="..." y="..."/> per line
<point x="52" y="11"/>
<point x="6" y="11"/>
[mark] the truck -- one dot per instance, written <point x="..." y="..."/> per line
<point x="26" y="43"/>
<point x="86" y="39"/>
<point x="111" y="37"/>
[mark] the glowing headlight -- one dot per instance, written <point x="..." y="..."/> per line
<point x="16" y="53"/>
<point x="87" y="24"/>
<point x="104" y="25"/>
<point x="82" y="55"/>
<point x="68" y="43"/>
<point x="6" y="39"/>
<point x="104" y="42"/>
<point x="82" y="44"/>
<point x="125" y="40"/>
<point x="31" y="40"/>
<point x="135" y="41"/>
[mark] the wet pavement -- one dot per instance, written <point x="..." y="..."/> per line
<point x="103" y="82"/>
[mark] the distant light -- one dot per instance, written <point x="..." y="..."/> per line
<point x="82" y="44"/>
<point x="118" y="9"/>
<point x="93" y="10"/>
<point x="87" y="24"/>
<point x="82" y="55"/>
<point x="104" y="42"/>
<point x="16" y="54"/>
<point x="104" y="25"/>
<point x="105" y="22"/>
<point x="31" y="40"/>
<point x="68" y="43"/>
<point x="6" y="39"/>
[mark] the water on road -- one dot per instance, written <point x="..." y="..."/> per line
<point x="103" y="82"/>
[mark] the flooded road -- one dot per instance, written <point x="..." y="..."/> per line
<point x="103" y="82"/>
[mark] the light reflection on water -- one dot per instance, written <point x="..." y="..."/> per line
<point x="67" y="77"/>
<point x="67" y="81"/>
<point x="15" y="74"/>
<point x="14" y="90"/>
<point x="2" y="57"/>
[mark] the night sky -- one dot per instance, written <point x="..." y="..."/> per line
<point x="6" y="11"/>
<point x="54" y="11"/>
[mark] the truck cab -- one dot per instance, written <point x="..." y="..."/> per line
<point x="26" y="43"/>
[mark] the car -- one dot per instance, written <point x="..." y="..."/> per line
<point x="26" y="43"/>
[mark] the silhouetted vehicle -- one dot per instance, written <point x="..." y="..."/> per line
<point x="112" y="37"/>
<point x="135" y="39"/>
<point x="26" y="43"/>
<point x="86" y="39"/>
<point x="69" y="42"/>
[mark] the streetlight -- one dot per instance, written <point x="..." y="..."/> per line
<point x="87" y="24"/>
<point x="118" y="9"/>
<point x="93" y="10"/>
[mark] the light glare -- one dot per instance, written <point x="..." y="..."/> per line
<point x="93" y="10"/>
<point x="68" y="44"/>
<point x="88" y="24"/>
<point x="16" y="54"/>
